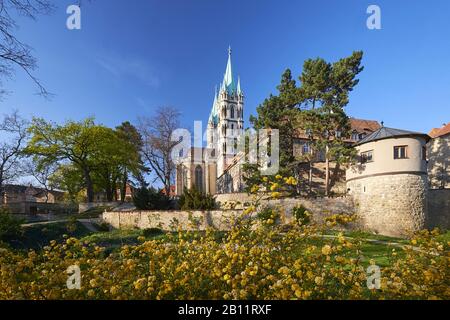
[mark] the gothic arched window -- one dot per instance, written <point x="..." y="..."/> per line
<point x="199" y="178"/>
<point x="232" y="112"/>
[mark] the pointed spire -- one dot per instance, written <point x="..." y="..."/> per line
<point x="215" y="96"/>
<point x="228" y="77"/>
<point x="239" y="85"/>
<point x="213" y="115"/>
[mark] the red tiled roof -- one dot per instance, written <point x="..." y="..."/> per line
<point x="357" y="125"/>
<point x="437" y="132"/>
<point x="362" y="125"/>
<point x="172" y="191"/>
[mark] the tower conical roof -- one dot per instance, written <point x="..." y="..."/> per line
<point x="228" y="83"/>
<point x="385" y="133"/>
<point x="214" y="115"/>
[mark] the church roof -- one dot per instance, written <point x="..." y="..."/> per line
<point x="385" y="133"/>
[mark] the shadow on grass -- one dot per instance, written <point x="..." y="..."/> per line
<point x="38" y="236"/>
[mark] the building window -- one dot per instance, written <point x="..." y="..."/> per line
<point x="424" y="153"/>
<point x="367" y="156"/>
<point x="305" y="148"/>
<point x="355" y="136"/>
<point x="199" y="178"/>
<point x="232" y="112"/>
<point x="401" y="152"/>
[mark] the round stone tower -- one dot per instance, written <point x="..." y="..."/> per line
<point x="389" y="182"/>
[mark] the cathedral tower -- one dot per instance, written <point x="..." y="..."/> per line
<point x="226" y="121"/>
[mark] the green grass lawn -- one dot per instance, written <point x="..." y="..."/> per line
<point x="368" y="235"/>
<point x="380" y="252"/>
<point x="117" y="238"/>
<point x="91" y="213"/>
<point x="445" y="236"/>
<point x="38" y="236"/>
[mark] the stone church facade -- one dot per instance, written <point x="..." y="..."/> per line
<point x="204" y="167"/>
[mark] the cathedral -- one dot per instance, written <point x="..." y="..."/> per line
<point x="214" y="168"/>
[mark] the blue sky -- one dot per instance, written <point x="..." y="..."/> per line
<point x="132" y="56"/>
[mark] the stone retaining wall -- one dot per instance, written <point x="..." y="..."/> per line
<point x="221" y="219"/>
<point x="439" y="208"/>
<point x="83" y="207"/>
<point x="393" y="205"/>
<point x="389" y="205"/>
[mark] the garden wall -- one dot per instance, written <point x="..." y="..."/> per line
<point x="83" y="207"/>
<point x="220" y="219"/>
<point x="439" y="208"/>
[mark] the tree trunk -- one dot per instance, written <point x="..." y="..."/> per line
<point x="327" y="172"/>
<point x="109" y="195"/>
<point x="335" y="176"/>
<point x="310" y="170"/>
<point x="89" y="185"/>
<point x="123" y="189"/>
<point x="167" y="187"/>
<point x="2" y="197"/>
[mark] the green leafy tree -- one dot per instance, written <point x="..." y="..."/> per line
<point x="324" y="92"/>
<point x="279" y="112"/>
<point x="150" y="199"/>
<point x="68" y="178"/>
<point x="193" y="199"/>
<point x="82" y="144"/>
<point x="10" y="227"/>
<point x="134" y="166"/>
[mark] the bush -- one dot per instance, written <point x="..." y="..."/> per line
<point x="150" y="199"/>
<point x="10" y="227"/>
<point x="268" y="215"/>
<point x="152" y="232"/>
<point x="102" y="227"/>
<point x="193" y="199"/>
<point x="263" y="263"/>
<point x="301" y="215"/>
<point x="72" y="224"/>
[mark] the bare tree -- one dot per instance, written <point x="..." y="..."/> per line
<point x="41" y="172"/>
<point x="13" y="52"/>
<point x="157" y="144"/>
<point x="13" y="129"/>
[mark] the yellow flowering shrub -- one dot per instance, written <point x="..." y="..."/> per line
<point x="256" y="259"/>
<point x="251" y="262"/>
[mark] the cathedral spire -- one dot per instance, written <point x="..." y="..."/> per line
<point x="215" y="96"/>
<point x="228" y="77"/>
<point x="213" y="117"/>
<point x="239" y="85"/>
